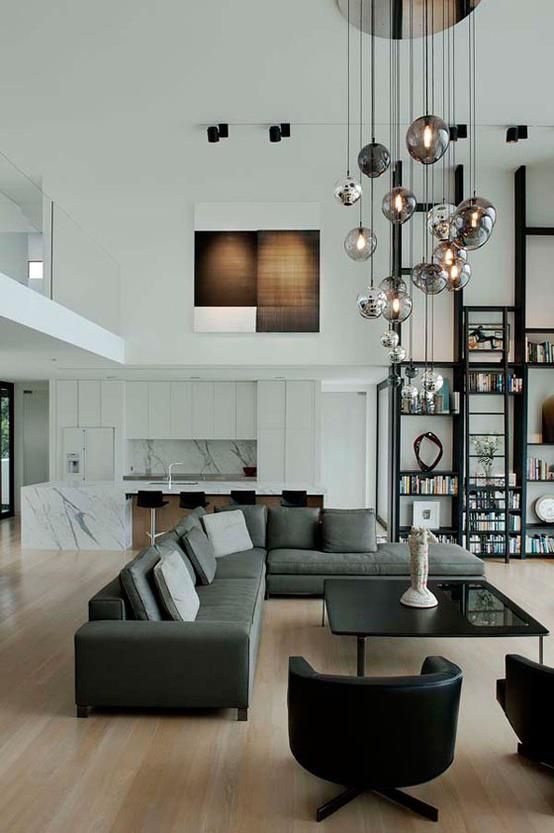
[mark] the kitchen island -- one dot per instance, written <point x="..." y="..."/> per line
<point x="84" y="515"/>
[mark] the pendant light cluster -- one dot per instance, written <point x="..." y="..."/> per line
<point x="450" y="231"/>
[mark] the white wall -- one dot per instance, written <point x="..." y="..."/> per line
<point x="344" y="449"/>
<point x="13" y="255"/>
<point x="31" y="435"/>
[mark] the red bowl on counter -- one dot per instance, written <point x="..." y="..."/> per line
<point x="250" y="471"/>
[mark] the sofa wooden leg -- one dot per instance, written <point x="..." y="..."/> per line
<point x="83" y="711"/>
<point x="242" y="714"/>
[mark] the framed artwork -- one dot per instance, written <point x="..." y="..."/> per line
<point x="489" y="337"/>
<point x="426" y="513"/>
<point x="256" y="281"/>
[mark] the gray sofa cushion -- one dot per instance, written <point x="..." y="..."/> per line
<point x="296" y="528"/>
<point x="176" y="588"/>
<point x="229" y="600"/>
<point x="201" y="554"/>
<point x="444" y="560"/>
<point x="256" y="521"/>
<point x="167" y="543"/>
<point x="348" y="530"/>
<point x="190" y="520"/>
<point x="247" y="564"/>
<point x="305" y="562"/>
<point x="137" y="580"/>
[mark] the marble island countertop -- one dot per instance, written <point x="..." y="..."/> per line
<point x="195" y="484"/>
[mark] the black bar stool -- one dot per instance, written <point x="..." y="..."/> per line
<point x="152" y="501"/>
<point x="191" y="500"/>
<point x="290" y="497"/>
<point x="243" y="497"/>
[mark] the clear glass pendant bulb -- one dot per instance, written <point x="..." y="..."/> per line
<point x="431" y="381"/>
<point x="429" y="277"/>
<point x="427" y="139"/>
<point x="347" y="191"/>
<point x="438" y="221"/>
<point x="390" y="339"/>
<point x="360" y="243"/>
<point x="473" y="222"/>
<point x="372" y="303"/>
<point x="454" y="262"/>
<point x="392" y="284"/>
<point x="373" y="159"/>
<point x="398" y="306"/>
<point x="399" y="205"/>
<point x="397" y="354"/>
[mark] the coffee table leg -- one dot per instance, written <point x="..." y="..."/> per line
<point x="361" y="656"/>
<point x="541" y="650"/>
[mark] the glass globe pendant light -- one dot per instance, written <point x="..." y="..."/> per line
<point x="438" y="221"/>
<point x="409" y="391"/>
<point x="392" y="284"/>
<point x="390" y="339"/>
<point x="454" y="262"/>
<point x="372" y="303"/>
<point x="427" y="139"/>
<point x="473" y="222"/>
<point x="360" y="243"/>
<point x="429" y="277"/>
<point x="347" y="191"/>
<point x="399" y="205"/>
<point x="397" y="354"/>
<point x="431" y="381"/>
<point x="373" y="159"/>
<point x="398" y="307"/>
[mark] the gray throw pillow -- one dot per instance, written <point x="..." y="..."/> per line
<point x="256" y="520"/>
<point x="200" y="554"/>
<point x="176" y="588"/>
<point x="293" y="528"/>
<point x="348" y="530"/>
<point x="168" y="543"/>
<point x="190" y="520"/>
<point x="137" y="580"/>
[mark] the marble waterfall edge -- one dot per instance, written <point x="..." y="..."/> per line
<point x="69" y="517"/>
<point x="197" y="456"/>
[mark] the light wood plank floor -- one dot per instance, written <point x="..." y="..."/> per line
<point x="206" y="773"/>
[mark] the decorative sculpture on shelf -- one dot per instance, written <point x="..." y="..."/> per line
<point x="418" y="594"/>
<point x="419" y="448"/>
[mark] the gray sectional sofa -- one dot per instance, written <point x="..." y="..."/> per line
<point x="129" y="655"/>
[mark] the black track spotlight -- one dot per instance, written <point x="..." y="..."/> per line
<point x="517" y="132"/>
<point x="275" y="133"/>
<point x="462" y="131"/>
<point x="285" y="130"/>
<point x="217" y="132"/>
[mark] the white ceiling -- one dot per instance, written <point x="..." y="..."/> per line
<point x="106" y="105"/>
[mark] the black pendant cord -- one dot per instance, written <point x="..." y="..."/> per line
<point x="411" y="175"/>
<point x="426" y="55"/>
<point x="372" y="72"/>
<point x="445" y="108"/>
<point x="471" y="123"/>
<point x="474" y="65"/>
<point x="391" y="135"/>
<point x="361" y="97"/>
<point x="348" y="93"/>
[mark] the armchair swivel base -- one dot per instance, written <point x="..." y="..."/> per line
<point x="397" y="796"/>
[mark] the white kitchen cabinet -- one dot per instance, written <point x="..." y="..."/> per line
<point x="246" y="411"/>
<point x="67" y="408"/>
<point x="271" y="454"/>
<point x="299" y="455"/>
<point x="89" y="400"/>
<point x="225" y="410"/>
<point x="136" y="410"/>
<point x="112" y="398"/>
<point x="180" y="413"/>
<point x="203" y="427"/>
<point x="271" y="404"/>
<point x="300" y="402"/>
<point x="159" y="397"/>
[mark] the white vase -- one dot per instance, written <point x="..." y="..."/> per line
<point x="418" y="594"/>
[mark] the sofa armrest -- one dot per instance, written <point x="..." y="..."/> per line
<point x="108" y="603"/>
<point x="162" y="664"/>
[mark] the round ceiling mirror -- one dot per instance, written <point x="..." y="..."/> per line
<point x="396" y="18"/>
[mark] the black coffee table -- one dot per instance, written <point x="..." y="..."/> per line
<point x="364" y="608"/>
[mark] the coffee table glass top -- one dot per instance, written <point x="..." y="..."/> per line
<point x="359" y="607"/>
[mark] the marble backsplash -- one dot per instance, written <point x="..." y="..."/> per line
<point x="152" y="457"/>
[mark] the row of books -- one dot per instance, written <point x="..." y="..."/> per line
<point x="478" y="481"/>
<point x="540" y="544"/>
<point x="538" y="469"/>
<point x="493" y="546"/>
<point x="542" y="353"/>
<point x="490" y="522"/>
<point x="442" y="403"/>
<point x="487" y="500"/>
<point x="442" y="538"/>
<point x="493" y="382"/>
<point x="439" y="484"/>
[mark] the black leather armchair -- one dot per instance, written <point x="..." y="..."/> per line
<point x="527" y="697"/>
<point x="377" y="733"/>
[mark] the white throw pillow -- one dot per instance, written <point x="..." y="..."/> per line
<point x="176" y="588"/>
<point x="227" y="532"/>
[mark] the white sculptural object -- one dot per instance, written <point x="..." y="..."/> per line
<point x="418" y="595"/>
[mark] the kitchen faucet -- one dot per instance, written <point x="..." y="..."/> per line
<point x="170" y="473"/>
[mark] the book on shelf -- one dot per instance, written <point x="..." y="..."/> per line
<point x="541" y="544"/>
<point x="442" y="538"/>
<point x="539" y="352"/>
<point x="493" y="382"/>
<point x="493" y="521"/>
<point x="437" y="484"/>
<point x="493" y="545"/>
<point x="538" y="469"/>
<point x="480" y="481"/>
